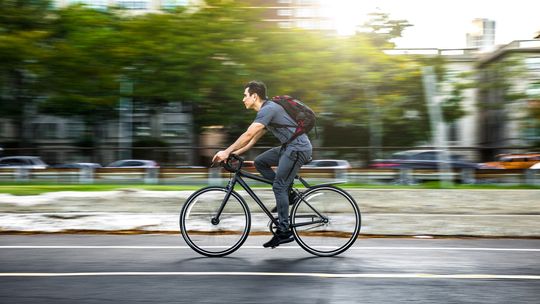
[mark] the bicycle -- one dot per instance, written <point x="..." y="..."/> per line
<point x="215" y="221"/>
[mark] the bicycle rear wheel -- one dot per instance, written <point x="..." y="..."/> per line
<point x="206" y="232"/>
<point x="326" y="221"/>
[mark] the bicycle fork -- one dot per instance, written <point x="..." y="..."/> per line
<point x="230" y="188"/>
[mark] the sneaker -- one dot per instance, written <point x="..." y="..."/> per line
<point x="292" y="199"/>
<point x="279" y="238"/>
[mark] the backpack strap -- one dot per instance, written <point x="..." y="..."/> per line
<point x="297" y="126"/>
<point x="276" y="125"/>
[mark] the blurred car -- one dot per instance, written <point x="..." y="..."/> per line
<point x="334" y="164"/>
<point x="421" y="159"/>
<point x="190" y="167"/>
<point x="30" y="162"/>
<point x="77" y="166"/>
<point x="513" y="161"/>
<point x="133" y="163"/>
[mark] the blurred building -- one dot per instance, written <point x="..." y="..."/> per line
<point x="136" y="6"/>
<point x="481" y="35"/>
<point x="165" y="135"/>
<point x="499" y="109"/>
<point x="305" y="14"/>
<point x="458" y="62"/>
<point x="509" y="97"/>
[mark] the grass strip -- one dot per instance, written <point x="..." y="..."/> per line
<point x="39" y="188"/>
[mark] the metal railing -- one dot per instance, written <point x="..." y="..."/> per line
<point x="215" y="176"/>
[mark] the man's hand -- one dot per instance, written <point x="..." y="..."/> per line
<point x="220" y="156"/>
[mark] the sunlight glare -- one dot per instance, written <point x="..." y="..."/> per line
<point x="346" y="15"/>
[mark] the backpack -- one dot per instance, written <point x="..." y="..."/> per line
<point x="299" y="112"/>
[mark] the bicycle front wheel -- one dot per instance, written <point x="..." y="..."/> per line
<point x="326" y="221"/>
<point x="213" y="224"/>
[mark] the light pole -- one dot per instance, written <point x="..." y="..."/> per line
<point x="375" y="122"/>
<point x="438" y="131"/>
<point x="125" y="118"/>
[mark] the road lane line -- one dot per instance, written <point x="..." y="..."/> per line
<point x="283" y="274"/>
<point x="282" y="247"/>
<point x="449" y="248"/>
<point x="77" y="213"/>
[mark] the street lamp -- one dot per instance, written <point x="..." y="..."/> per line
<point x="125" y="118"/>
<point x="438" y="131"/>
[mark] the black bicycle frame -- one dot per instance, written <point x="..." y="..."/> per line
<point x="237" y="178"/>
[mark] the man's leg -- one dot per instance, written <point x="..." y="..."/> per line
<point x="265" y="161"/>
<point x="289" y="165"/>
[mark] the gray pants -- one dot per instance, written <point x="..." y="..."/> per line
<point x="288" y="163"/>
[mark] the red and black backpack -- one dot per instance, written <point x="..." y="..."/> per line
<point x="299" y="112"/>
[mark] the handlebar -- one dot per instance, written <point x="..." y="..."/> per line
<point x="232" y="164"/>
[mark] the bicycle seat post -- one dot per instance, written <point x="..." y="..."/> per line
<point x="303" y="181"/>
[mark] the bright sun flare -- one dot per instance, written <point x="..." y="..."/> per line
<point x="346" y="15"/>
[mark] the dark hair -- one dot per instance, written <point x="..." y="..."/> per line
<point x="258" y="87"/>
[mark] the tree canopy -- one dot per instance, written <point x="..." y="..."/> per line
<point x="76" y="58"/>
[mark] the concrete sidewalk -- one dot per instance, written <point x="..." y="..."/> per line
<point x="490" y="213"/>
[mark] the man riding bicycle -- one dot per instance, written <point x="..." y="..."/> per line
<point x="288" y="157"/>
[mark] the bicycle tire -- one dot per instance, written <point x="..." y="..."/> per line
<point x="210" y="238"/>
<point x="341" y="228"/>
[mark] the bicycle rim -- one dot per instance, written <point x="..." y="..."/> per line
<point x="208" y="237"/>
<point x="326" y="221"/>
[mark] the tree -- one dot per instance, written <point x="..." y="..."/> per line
<point x="187" y="56"/>
<point x="452" y="106"/>
<point x="533" y="124"/>
<point x="293" y="62"/>
<point x="82" y="73"/>
<point x="24" y="30"/>
<point x="534" y="96"/>
<point x="81" y="79"/>
<point x="497" y="81"/>
<point x="174" y="56"/>
<point x="349" y="81"/>
<point x="204" y="57"/>
<point x="383" y="93"/>
<point x="381" y="29"/>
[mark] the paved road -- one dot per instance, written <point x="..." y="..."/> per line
<point x="161" y="269"/>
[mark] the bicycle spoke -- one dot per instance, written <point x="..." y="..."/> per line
<point x="312" y="208"/>
<point x="315" y="227"/>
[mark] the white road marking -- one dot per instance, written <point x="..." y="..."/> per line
<point x="82" y="213"/>
<point x="284" y="274"/>
<point x="283" y="247"/>
<point x="451" y="248"/>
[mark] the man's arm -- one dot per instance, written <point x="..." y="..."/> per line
<point x="255" y="131"/>
<point x="251" y="143"/>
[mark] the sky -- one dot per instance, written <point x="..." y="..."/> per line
<point x="442" y="23"/>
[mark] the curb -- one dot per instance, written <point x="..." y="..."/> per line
<point x="475" y="213"/>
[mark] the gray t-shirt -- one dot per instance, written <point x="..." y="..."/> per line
<point x="272" y="112"/>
